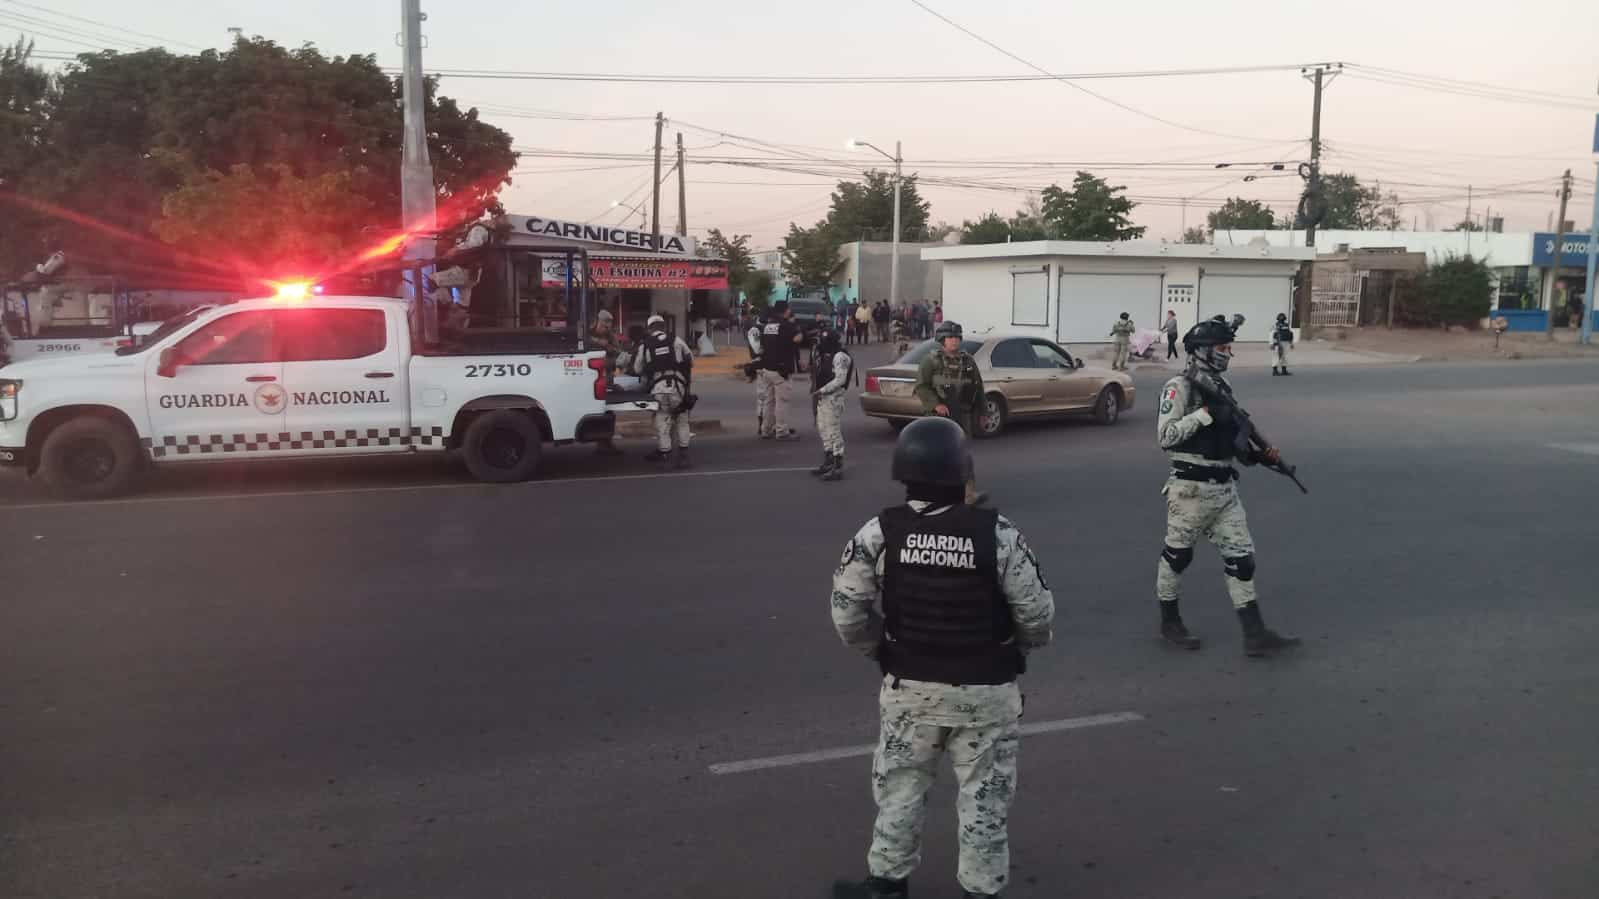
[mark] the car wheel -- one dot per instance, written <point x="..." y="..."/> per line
<point x="898" y="424"/>
<point x="1108" y="407"/>
<point x="89" y="458"/>
<point x="991" y="418"/>
<point x="502" y="446"/>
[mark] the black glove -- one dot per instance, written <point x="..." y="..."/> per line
<point x="1221" y="413"/>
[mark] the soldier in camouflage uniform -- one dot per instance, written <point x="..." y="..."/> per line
<point x="667" y="364"/>
<point x="1202" y="491"/>
<point x="830" y="375"/>
<point x="949" y="385"/>
<point x="1121" y="338"/>
<point x="963" y="600"/>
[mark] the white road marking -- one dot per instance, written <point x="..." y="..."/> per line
<point x="851" y="752"/>
<point x="354" y="491"/>
<point x="1589" y="449"/>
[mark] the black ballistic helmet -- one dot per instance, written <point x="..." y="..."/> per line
<point x="947" y="329"/>
<point x="932" y="451"/>
<point x="1211" y="332"/>
<point x="828" y="342"/>
<point x="780" y="307"/>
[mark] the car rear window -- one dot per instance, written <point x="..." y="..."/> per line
<point x="920" y="351"/>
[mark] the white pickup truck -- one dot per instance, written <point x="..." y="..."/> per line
<point x="313" y="376"/>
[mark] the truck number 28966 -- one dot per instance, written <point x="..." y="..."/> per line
<point x="498" y="371"/>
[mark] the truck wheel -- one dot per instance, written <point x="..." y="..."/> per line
<point x="89" y="458"/>
<point x="502" y="446"/>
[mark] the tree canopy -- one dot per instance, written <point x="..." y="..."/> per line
<point x="1346" y="203"/>
<point x="1240" y="214"/>
<point x="860" y="210"/>
<point x="736" y="250"/>
<point x="1091" y="210"/>
<point x="218" y="152"/>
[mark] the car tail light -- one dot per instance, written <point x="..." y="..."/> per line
<point x="872" y="385"/>
<point x="598" y="365"/>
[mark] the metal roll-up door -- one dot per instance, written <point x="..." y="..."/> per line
<point x="1089" y="303"/>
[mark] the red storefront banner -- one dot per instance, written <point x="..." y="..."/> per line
<point x="628" y="274"/>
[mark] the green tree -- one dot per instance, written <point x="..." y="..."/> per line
<point x="240" y="216"/>
<point x="131" y="128"/>
<point x="1465" y="225"/>
<point x="1091" y="210"/>
<point x="737" y="253"/>
<point x="864" y="210"/>
<point x="1456" y="291"/>
<point x="810" y="255"/>
<point x="1348" y="204"/>
<point x="988" y="229"/>
<point x="758" y="288"/>
<point x="1240" y="214"/>
<point x="1196" y="235"/>
<point x="26" y="94"/>
<point x="941" y="230"/>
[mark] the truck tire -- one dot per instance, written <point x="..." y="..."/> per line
<point x="89" y="458"/>
<point x="502" y="446"/>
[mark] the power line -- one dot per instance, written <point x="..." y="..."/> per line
<point x="1472" y="85"/>
<point x="32" y="21"/>
<point x="650" y="78"/>
<point x="25" y="28"/>
<point x="1066" y="81"/>
<point x="120" y="28"/>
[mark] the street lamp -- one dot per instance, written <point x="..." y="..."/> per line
<point x="893" y="265"/>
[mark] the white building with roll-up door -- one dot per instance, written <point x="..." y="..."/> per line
<point x="1071" y="291"/>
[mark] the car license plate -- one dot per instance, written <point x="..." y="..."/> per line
<point x="895" y="388"/>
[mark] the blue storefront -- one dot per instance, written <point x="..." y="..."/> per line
<point x="1565" y="287"/>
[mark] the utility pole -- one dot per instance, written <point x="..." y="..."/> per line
<point x="893" y="265"/>
<point x="682" y="190"/>
<point x="1468" y="221"/>
<point x="1313" y="198"/>
<point x="655" y="187"/>
<point x="1593" y="252"/>
<point x="418" y="197"/>
<point x="1554" y="267"/>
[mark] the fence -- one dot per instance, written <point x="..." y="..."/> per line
<point x="1335" y="299"/>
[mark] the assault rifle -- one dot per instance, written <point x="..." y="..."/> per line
<point x="1249" y="443"/>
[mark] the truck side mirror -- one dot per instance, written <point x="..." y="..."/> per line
<point x="167" y="367"/>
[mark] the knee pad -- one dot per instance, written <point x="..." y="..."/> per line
<point x="1177" y="558"/>
<point x="1243" y="567"/>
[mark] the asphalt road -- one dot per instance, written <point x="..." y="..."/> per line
<point x="384" y="680"/>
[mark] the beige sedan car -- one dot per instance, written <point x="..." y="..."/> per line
<point x="1025" y="377"/>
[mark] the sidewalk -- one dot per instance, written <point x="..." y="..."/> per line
<point x="1307" y="354"/>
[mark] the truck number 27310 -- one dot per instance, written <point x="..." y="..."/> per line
<point x="498" y="371"/>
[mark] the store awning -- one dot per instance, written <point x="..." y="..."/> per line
<point x="629" y="272"/>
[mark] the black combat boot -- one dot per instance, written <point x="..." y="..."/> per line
<point x="872" y="888"/>
<point x="1286" y="371"/>
<point x="826" y="466"/>
<point x="1274" y="371"/>
<point x="1172" y="629"/>
<point x="656" y="455"/>
<point x="836" y="473"/>
<point x="682" y="457"/>
<point x="1260" y="640"/>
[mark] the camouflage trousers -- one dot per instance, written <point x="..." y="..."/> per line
<point x="771" y="401"/>
<point x="1279" y="355"/>
<point x="1122" y="347"/>
<point x="1197" y="509"/>
<point x="668" y="395"/>
<point x="977" y="727"/>
<point x="830" y="422"/>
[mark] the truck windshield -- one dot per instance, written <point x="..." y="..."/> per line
<point x="167" y="327"/>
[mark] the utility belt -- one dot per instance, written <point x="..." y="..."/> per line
<point x="1188" y="471"/>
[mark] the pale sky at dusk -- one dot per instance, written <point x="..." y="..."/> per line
<point x="1425" y="145"/>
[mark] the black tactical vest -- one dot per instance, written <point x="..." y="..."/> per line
<point x="945" y="617"/>
<point x="660" y="358"/>
<point x="1216" y="441"/>
<point x="823" y="370"/>
<point x="777" y="346"/>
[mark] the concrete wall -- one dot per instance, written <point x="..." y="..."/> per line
<point x="1498" y="250"/>
<point x="977" y="292"/>
<point x="868" y="268"/>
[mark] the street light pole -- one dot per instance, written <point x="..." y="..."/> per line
<point x="899" y="163"/>
<point x="893" y="265"/>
